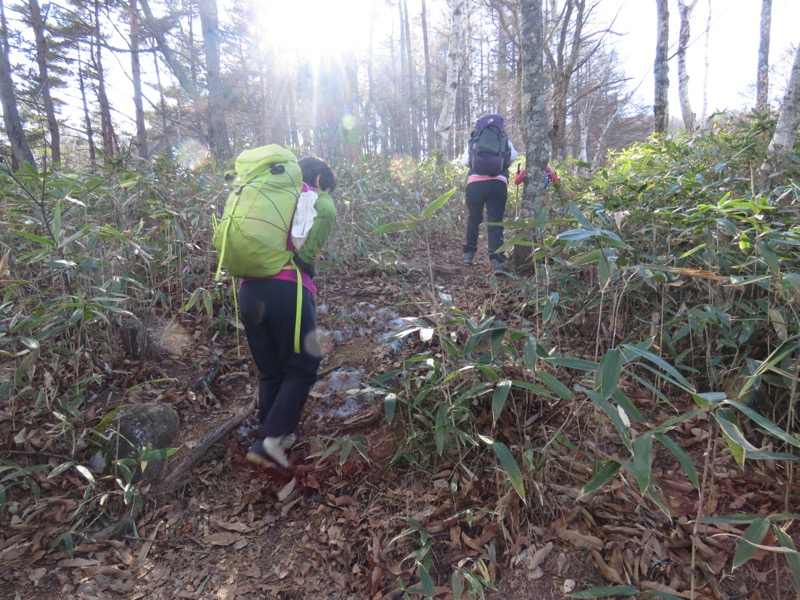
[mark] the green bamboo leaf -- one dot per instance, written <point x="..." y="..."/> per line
<point x="708" y="399"/>
<point x="612" y="413"/>
<point x="734" y="437"/>
<point x="561" y="390"/>
<point x="607" y="375"/>
<point x="736" y="519"/>
<point x="510" y="467"/>
<point x="792" y="559"/>
<point x="456" y="584"/>
<point x="57" y="223"/>
<point x="397" y="226"/>
<point x="389" y="406"/>
<point x="499" y="398"/>
<point x="605" y="472"/>
<point x="753" y="535"/>
<point x="683" y="458"/>
<point x="427" y="581"/>
<point x="606" y="592"/>
<point x="587" y="258"/>
<point x="793" y="279"/>
<point x="531" y="352"/>
<point x="769" y="256"/>
<point x="643" y="461"/>
<point x="36" y="238"/>
<point x="671" y="372"/>
<point x="765" y="423"/>
<point x="60" y="469"/>
<point x="628" y="406"/>
<point x="531" y="387"/>
<point x="772" y="360"/>
<point x="571" y="363"/>
<point x="437" y="204"/>
<point x="439" y="429"/>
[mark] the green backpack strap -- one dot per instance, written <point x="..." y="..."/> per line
<point x="298" y="309"/>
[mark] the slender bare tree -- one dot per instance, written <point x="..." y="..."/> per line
<point x="447" y="116"/>
<point x="20" y="150"/>
<point x="685" y="12"/>
<point x="217" y="126"/>
<point x="661" y="68"/>
<point x="430" y="124"/>
<point x="136" y="76"/>
<point x="785" y="134"/>
<point x="44" y="80"/>
<point x="762" y="82"/>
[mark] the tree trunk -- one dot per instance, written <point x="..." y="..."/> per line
<point x="661" y="69"/>
<point x="44" y="81"/>
<point x="87" y="120"/>
<point x="217" y="127"/>
<point x="431" y="132"/>
<point x="534" y="116"/>
<point x="564" y="64"/>
<point x="20" y="150"/>
<point x="762" y="82"/>
<point x="685" y="12"/>
<point x="106" y="127"/>
<point x="786" y="129"/>
<point x="444" y="125"/>
<point x="412" y="92"/>
<point x="136" y="75"/>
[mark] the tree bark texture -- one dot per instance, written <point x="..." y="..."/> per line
<point x="430" y="124"/>
<point x="762" y="81"/>
<point x="661" y="68"/>
<point x="568" y="53"/>
<point x="685" y="13"/>
<point x="786" y="129"/>
<point x="534" y="114"/>
<point x="20" y="150"/>
<point x="136" y="76"/>
<point x="106" y="127"/>
<point x="444" y="125"/>
<point x="217" y="126"/>
<point x="44" y="80"/>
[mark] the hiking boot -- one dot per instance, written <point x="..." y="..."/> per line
<point x="500" y="267"/>
<point x="468" y="257"/>
<point x="268" y="452"/>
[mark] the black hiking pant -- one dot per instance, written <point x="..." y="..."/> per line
<point x="267" y="308"/>
<point x="491" y="194"/>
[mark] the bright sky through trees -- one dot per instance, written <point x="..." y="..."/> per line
<point x="732" y="49"/>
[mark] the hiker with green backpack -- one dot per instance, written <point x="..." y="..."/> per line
<point x="261" y="241"/>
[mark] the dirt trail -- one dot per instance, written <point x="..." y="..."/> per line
<point x="235" y="531"/>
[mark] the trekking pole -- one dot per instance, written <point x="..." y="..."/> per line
<point x="516" y="217"/>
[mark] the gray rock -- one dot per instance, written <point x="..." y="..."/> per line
<point x="136" y="428"/>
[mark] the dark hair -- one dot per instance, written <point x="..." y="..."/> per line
<point x="317" y="173"/>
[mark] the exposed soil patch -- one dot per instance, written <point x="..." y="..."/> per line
<point x="349" y="526"/>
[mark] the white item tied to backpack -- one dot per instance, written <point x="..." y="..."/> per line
<point x="303" y="218"/>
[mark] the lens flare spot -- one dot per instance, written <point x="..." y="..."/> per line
<point x="192" y="154"/>
<point x="348" y="122"/>
<point x="175" y="338"/>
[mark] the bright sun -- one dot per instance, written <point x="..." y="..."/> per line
<point x="316" y="28"/>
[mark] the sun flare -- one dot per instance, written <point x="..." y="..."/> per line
<point x="317" y="28"/>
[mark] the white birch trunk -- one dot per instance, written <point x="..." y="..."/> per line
<point x="786" y="130"/>
<point x="685" y="13"/>
<point x="444" y="125"/>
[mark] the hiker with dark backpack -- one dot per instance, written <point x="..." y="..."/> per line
<point x="278" y="304"/>
<point x="488" y="156"/>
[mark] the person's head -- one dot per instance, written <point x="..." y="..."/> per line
<point x="317" y="173"/>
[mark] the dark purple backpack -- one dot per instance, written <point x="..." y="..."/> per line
<point x="489" y="153"/>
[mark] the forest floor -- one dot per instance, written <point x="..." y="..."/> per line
<point x="349" y="529"/>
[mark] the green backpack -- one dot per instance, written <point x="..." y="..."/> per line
<point x="252" y="235"/>
<point x="257" y="219"/>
